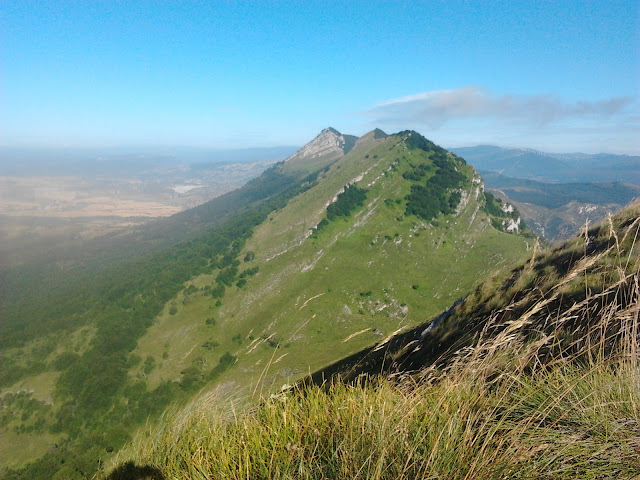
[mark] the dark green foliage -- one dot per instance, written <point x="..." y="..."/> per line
<point x="34" y="414"/>
<point x="64" y="360"/>
<point x="227" y="359"/>
<point x="210" y="345"/>
<point x="417" y="173"/>
<point x="131" y="471"/>
<point x="323" y="223"/>
<point x="217" y="291"/>
<point x="347" y="201"/>
<point x="415" y="140"/>
<point x="149" y="365"/>
<point x="10" y="372"/>
<point x="227" y="276"/>
<point x="249" y="272"/>
<point x="352" y="198"/>
<point x="497" y="224"/>
<point x="493" y="206"/>
<point x="192" y="378"/>
<point x="433" y="197"/>
<point x="454" y="199"/>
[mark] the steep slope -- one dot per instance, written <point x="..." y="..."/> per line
<point x="559" y="297"/>
<point x="67" y="345"/>
<point x="306" y="269"/>
<point x="60" y="287"/>
<point x="533" y="376"/>
<point x="312" y="285"/>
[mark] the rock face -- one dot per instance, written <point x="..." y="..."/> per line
<point x="327" y="147"/>
<point x="329" y="143"/>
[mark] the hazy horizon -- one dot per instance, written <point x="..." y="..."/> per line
<point x="173" y="150"/>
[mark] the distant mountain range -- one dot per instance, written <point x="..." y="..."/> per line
<point x="553" y="167"/>
<point x="557" y="193"/>
<point x="556" y="211"/>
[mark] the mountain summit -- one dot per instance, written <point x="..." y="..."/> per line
<point x="327" y="147"/>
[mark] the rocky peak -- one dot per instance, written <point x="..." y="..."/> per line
<point x="329" y="142"/>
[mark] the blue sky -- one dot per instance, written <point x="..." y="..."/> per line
<point x="557" y="76"/>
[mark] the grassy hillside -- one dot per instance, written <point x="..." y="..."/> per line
<point x="67" y="348"/>
<point x="534" y="376"/>
<point x="312" y="296"/>
<point x="296" y="274"/>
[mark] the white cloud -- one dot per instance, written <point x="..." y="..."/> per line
<point x="436" y="108"/>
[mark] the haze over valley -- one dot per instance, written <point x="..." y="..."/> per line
<point x="49" y="197"/>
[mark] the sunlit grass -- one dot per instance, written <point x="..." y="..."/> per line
<point x="563" y="422"/>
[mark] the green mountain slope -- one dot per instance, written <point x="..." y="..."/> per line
<point x="334" y="249"/>
<point x="67" y="344"/>
<point x="320" y="294"/>
<point x="562" y="295"/>
<point x="533" y="376"/>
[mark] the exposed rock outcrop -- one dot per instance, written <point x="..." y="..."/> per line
<point x="329" y="143"/>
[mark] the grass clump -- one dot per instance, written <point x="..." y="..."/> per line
<point x="562" y="422"/>
<point x="487" y="416"/>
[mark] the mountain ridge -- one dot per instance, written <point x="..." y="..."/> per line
<point x="316" y="260"/>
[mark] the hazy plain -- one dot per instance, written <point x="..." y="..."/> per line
<point x="48" y="199"/>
